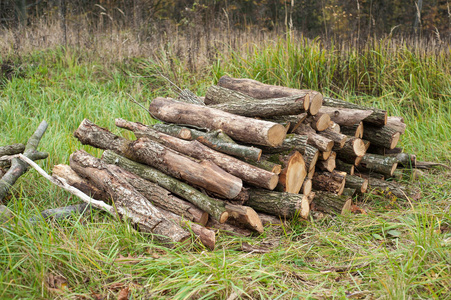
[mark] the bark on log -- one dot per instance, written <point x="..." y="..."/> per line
<point x="228" y="229"/>
<point x="378" y="163"/>
<point x="339" y="139"/>
<point x="249" y="173"/>
<point x="268" y="220"/>
<point x="356" y="182"/>
<point x="5" y="161"/>
<point x="355" y="130"/>
<point x="286" y="205"/>
<point x="293" y="120"/>
<point x="214" y="207"/>
<point x="349" y="192"/>
<point x="311" y="156"/>
<point x="267" y="165"/>
<point x="332" y="203"/>
<point x="12" y="149"/>
<point x="333" y="182"/>
<point x="345" y="167"/>
<point x="204" y="174"/>
<point x="353" y="148"/>
<point x="328" y="164"/>
<point x="392" y="189"/>
<point x="348" y="116"/>
<point x="237" y="127"/>
<point x="18" y="167"/>
<point x="293" y="174"/>
<point x="244" y="216"/>
<point x="260" y="90"/>
<point x="320" y="142"/>
<point x="105" y="177"/>
<point x="397" y="123"/>
<point x="377" y="118"/>
<point x="319" y="122"/>
<point x="292" y="142"/>
<point x="404" y="159"/>
<point x="384" y="151"/>
<point x="381" y="136"/>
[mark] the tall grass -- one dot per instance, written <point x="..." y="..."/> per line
<point x="399" y="250"/>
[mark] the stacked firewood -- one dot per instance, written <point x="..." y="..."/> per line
<point x="246" y="155"/>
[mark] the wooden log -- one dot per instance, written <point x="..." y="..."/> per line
<point x="237" y="127"/>
<point x="349" y="192"/>
<point x="356" y="182"/>
<point x="260" y="90"/>
<point x="204" y="174"/>
<point x="294" y="120"/>
<point x="378" y="163"/>
<point x="384" y="151"/>
<point x="292" y="142"/>
<point x="311" y="173"/>
<point x="333" y="182"/>
<point x="5" y="161"/>
<point x="214" y="207"/>
<point x="18" y="167"/>
<point x="345" y="167"/>
<point x="339" y="139"/>
<point x="286" y="205"/>
<point x="216" y="140"/>
<point x="348" y="117"/>
<point x="392" y="189"/>
<point x="293" y="173"/>
<point x="367" y="145"/>
<point x="328" y="164"/>
<point x="2" y="172"/>
<point x="12" y="149"/>
<point x="397" y="123"/>
<point x="332" y="203"/>
<point x="228" y="229"/>
<point x="244" y="216"/>
<point x="269" y="220"/>
<point x="382" y="136"/>
<point x="404" y="159"/>
<point x="307" y="187"/>
<point x="319" y="122"/>
<point x="353" y="148"/>
<point x="325" y="155"/>
<point x="378" y="117"/>
<point x="241" y="104"/>
<point x="248" y="173"/>
<point x="318" y="141"/>
<point x="267" y="165"/>
<point x="355" y="130"/>
<point x="106" y="178"/>
<point x="334" y="127"/>
<point x="311" y="156"/>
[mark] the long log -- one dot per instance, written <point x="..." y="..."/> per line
<point x="333" y="182"/>
<point x="214" y="207"/>
<point x="294" y="121"/>
<point x="378" y="163"/>
<point x="12" y="149"/>
<point x="356" y="182"/>
<point x="249" y="173"/>
<point x="378" y="117"/>
<point x="260" y="90"/>
<point x="392" y="189"/>
<point x="237" y="127"/>
<point x="381" y="136"/>
<point x="125" y="196"/>
<point x="332" y="203"/>
<point x="204" y="174"/>
<point x="293" y="174"/>
<point x="347" y="116"/>
<point x="216" y="140"/>
<point x="18" y="167"/>
<point x="286" y="205"/>
<point x="320" y="142"/>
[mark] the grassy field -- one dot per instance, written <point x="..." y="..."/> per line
<point x="399" y="250"/>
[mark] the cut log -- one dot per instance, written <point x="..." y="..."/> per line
<point x="319" y="122"/>
<point x="237" y="127"/>
<point x="355" y="130"/>
<point x="311" y="156"/>
<point x="126" y="197"/>
<point x="334" y="127"/>
<point x="260" y="90"/>
<point x="214" y="207"/>
<point x="320" y="142"/>
<point x="353" y="148"/>
<point x="349" y="192"/>
<point x="377" y="118"/>
<point x="347" y="116"/>
<point x="18" y="167"/>
<point x="292" y="142"/>
<point x="306" y="187"/>
<point x="339" y="139"/>
<point x="286" y="205"/>
<point x="328" y="164"/>
<point x="397" y="123"/>
<point x="345" y="167"/>
<point x="392" y="189"/>
<point x="332" y="203"/>
<point x="216" y="140"/>
<point x="294" y="120"/>
<point x="381" y="136"/>
<point x="367" y="145"/>
<point x="378" y="163"/>
<point x="228" y="229"/>
<point x="248" y="173"/>
<point x="244" y="216"/>
<point x="356" y="182"/>
<point x="293" y="174"/>
<point x="204" y="174"/>
<point x="324" y="155"/>
<point x="266" y="165"/>
<point x="12" y="149"/>
<point x="404" y="159"/>
<point x="333" y="182"/>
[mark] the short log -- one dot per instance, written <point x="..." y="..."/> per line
<point x="382" y="136"/>
<point x="356" y="182"/>
<point x="332" y="203"/>
<point x="333" y="182"/>
<point x="378" y="163"/>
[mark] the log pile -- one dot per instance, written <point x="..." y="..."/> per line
<point x="252" y="154"/>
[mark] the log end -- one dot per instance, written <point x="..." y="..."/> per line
<point x="347" y="206"/>
<point x="359" y="131"/>
<point x="296" y="173"/>
<point x="273" y="181"/>
<point x="307" y="102"/>
<point x="395" y="140"/>
<point x="316" y="101"/>
<point x="393" y="168"/>
<point x="204" y="219"/>
<point x="364" y="186"/>
<point x="223" y="218"/>
<point x="276" y="135"/>
<point x="359" y="147"/>
<point x="322" y="123"/>
<point x="304" y="210"/>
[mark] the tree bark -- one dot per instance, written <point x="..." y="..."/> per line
<point x="36" y="155"/>
<point x="328" y="164"/>
<point x="353" y="148"/>
<point x="214" y="207"/>
<point x="18" y="167"/>
<point x="266" y="165"/>
<point x="332" y="203"/>
<point x="333" y="182"/>
<point x="392" y="189"/>
<point x="286" y="205"/>
<point x="378" y="163"/>
<point x="339" y="139"/>
<point x="260" y="90"/>
<point x="249" y="173"/>
<point x="293" y="120"/>
<point x="355" y="130"/>
<point x="347" y="116"/>
<point x="204" y="174"/>
<point x="320" y="142"/>
<point x="345" y="167"/>
<point x="356" y="182"/>
<point x="307" y="187"/>
<point x="293" y="174"/>
<point x="349" y="192"/>
<point x="404" y="159"/>
<point x="12" y="149"/>
<point x="106" y="178"/>
<point x="397" y="123"/>
<point x="237" y="127"/>
<point x="381" y="136"/>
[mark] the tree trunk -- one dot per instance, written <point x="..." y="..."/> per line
<point x="381" y="136"/>
<point x="333" y="182"/>
<point x="248" y="173"/>
<point x="237" y="127"/>
<point x="356" y="182"/>
<point x="318" y="141"/>
<point x="204" y="174"/>
<point x="260" y="90"/>
<point x="126" y="197"/>
<point x="332" y="203"/>
<point x="378" y="163"/>
<point x="286" y="205"/>
<point x="214" y="207"/>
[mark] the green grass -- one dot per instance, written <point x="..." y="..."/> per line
<point x="400" y="250"/>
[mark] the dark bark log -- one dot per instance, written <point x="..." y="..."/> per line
<point x="355" y="130"/>
<point x="320" y="142"/>
<point x="384" y="151"/>
<point x="228" y="229"/>
<point x="18" y="167"/>
<point x="378" y="163"/>
<point x="237" y="127"/>
<point x="293" y="120"/>
<point x="266" y="165"/>
<point x="244" y="216"/>
<point x="2" y="172"/>
<point x="61" y="212"/>
<point x="332" y="203"/>
<point x="292" y="142"/>
<point x="12" y="149"/>
<point x="348" y="116"/>
<point x="404" y="159"/>
<point x="214" y="207"/>
<point x="345" y="167"/>
<point x="106" y="178"/>
<point x="377" y="118"/>
<point x="349" y="192"/>
<point x="260" y="90"/>
<point x="293" y="174"/>
<point x="333" y="182"/>
<point x="339" y="139"/>
<point x="356" y="182"/>
<point x="328" y="164"/>
<point x="311" y="156"/>
<point x="204" y="174"/>
<point x="324" y="155"/>
<point x="381" y="136"/>
<point x="353" y="148"/>
<point x="286" y="205"/>
<point x="392" y="189"/>
<point x="397" y="123"/>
